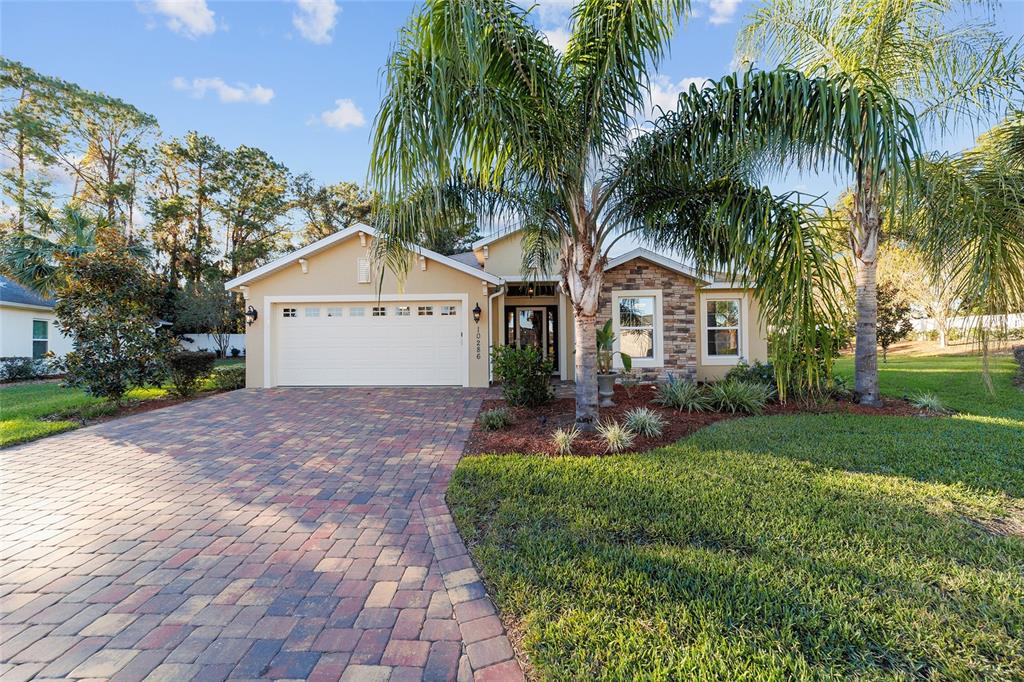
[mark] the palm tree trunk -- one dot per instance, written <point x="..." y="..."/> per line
<point x="865" y="231"/>
<point x="586" y="372"/>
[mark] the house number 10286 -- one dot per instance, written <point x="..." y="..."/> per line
<point x="478" y="342"/>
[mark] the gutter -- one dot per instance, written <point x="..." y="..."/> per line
<point x="490" y="330"/>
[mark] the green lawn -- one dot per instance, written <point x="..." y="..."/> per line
<point x="35" y="409"/>
<point x="785" y="547"/>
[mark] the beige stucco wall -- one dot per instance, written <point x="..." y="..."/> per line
<point x="753" y="334"/>
<point x="505" y="257"/>
<point x="333" y="271"/>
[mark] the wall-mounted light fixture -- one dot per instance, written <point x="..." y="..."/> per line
<point x="251" y="315"/>
<point x="476" y="313"/>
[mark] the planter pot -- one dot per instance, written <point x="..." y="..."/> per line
<point x="606" y="389"/>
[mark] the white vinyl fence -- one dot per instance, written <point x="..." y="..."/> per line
<point x="1012" y="321"/>
<point x="211" y="343"/>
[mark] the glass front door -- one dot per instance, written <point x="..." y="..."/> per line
<point x="533" y="326"/>
<point x="531" y="329"/>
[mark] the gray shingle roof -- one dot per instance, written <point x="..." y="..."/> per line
<point x="12" y="292"/>
<point x="469" y="258"/>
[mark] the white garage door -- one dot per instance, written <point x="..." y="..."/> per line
<point x="399" y="343"/>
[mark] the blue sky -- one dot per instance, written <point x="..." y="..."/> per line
<point x="298" y="79"/>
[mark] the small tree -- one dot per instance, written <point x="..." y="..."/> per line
<point x="107" y="305"/>
<point x="893" y="317"/>
<point x="204" y="307"/>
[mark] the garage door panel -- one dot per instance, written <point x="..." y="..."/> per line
<point x="351" y="349"/>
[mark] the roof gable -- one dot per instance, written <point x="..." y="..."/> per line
<point x="330" y="240"/>
<point x="657" y="259"/>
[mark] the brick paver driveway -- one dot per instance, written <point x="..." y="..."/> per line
<point x="284" y="533"/>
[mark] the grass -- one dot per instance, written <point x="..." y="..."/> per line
<point x="33" y="410"/>
<point x="784" y="547"/>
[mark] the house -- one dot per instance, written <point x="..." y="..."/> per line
<point x="322" y="315"/>
<point x="28" y="325"/>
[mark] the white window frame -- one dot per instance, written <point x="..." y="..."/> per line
<point x="311" y="311"/>
<point x="335" y="311"/>
<point x="741" y="344"/>
<point x="289" y="313"/>
<point x="403" y="311"/>
<point x="659" y="327"/>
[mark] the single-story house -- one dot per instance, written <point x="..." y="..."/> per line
<point x="28" y="325"/>
<point x="320" y="318"/>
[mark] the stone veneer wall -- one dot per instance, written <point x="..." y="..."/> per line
<point x="679" y="307"/>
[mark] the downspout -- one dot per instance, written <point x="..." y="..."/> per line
<point x="490" y="330"/>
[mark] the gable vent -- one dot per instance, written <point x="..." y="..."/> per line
<point x="363" y="270"/>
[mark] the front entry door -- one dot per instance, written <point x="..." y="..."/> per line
<point x="534" y="326"/>
<point x="531" y="329"/>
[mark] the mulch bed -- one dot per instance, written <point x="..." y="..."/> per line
<point x="532" y="427"/>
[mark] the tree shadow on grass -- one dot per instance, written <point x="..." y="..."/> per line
<point x="721" y="564"/>
<point x="980" y="453"/>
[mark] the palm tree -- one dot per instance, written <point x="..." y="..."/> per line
<point x="950" y="70"/>
<point x="480" y="112"/>
<point x="970" y="218"/>
<point x="34" y="259"/>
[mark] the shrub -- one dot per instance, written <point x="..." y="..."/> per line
<point x="229" y="378"/>
<point x="739" y="396"/>
<point x="928" y="401"/>
<point x="645" y="422"/>
<point x="759" y="373"/>
<point x="187" y="369"/>
<point x="524" y="374"/>
<point x="617" y="438"/>
<point x="235" y="352"/>
<point x="564" y="439"/>
<point x="682" y="395"/>
<point x="18" y="368"/>
<point x="107" y="304"/>
<point x="495" y="420"/>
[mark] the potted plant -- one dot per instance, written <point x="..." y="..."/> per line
<point x="605" y="372"/>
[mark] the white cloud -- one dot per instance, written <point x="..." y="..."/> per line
<point x="722" y="11"/>
<point x="239" y="92"/>
<point x="315" y="20"/>
<point x="191" y="18"/>
<point x="343" y="116"/>
<point x="665" y="93"/>
<point x="558" y="38"/>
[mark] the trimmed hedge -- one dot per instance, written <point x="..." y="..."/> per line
<point x="187" y="369"/>
<point x="229" y="378"/>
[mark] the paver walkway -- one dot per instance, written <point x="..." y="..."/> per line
<point x="283" y="533"/>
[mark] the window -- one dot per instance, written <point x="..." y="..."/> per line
<point x="447" y="310"/>
<point x="530" y="289"/>
<point x="288" y="312"/>
<point x="723" y="327"/>
<point x="403" y="311"/>
<point x="312" y="312"/>
<point x="334" y="312"/>
<point x="40" y="338"/>
<point x="380" y="311"/>
<point x="637" y="324"/>
<point x="425" y="310"/>
<point x="357" y="312"/>
<point x="363" y="271"/>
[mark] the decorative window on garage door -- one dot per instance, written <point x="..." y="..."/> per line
<point x="288" y="312"/>
<point x="447" y="310"/>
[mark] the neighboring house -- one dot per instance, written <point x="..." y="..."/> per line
<point x="28" y="325"/>
<point x="321" y="319"/>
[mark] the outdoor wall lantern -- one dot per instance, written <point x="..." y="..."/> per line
<point x="476" y="313"/>
<point x="251" y="315"/>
